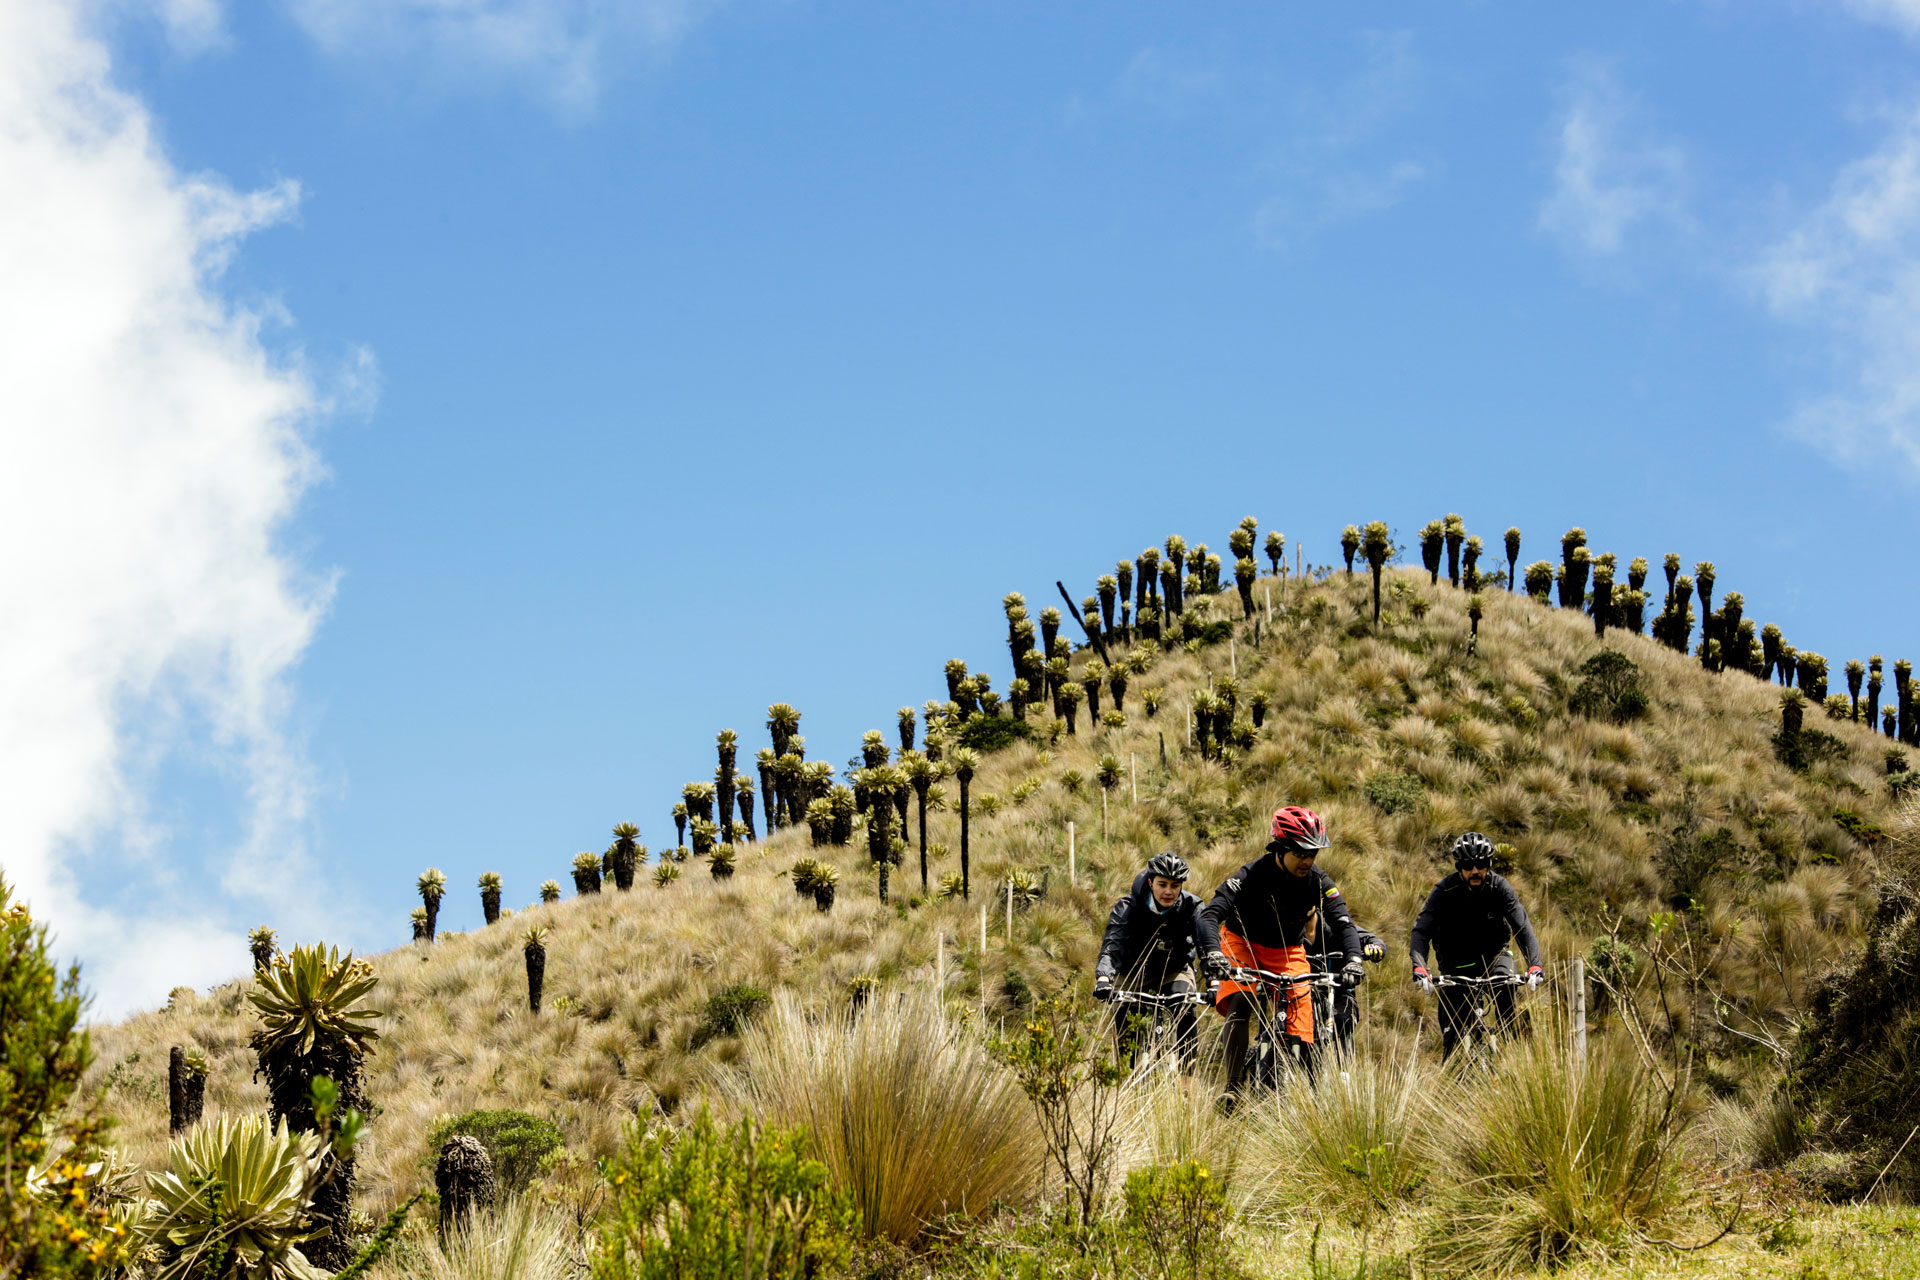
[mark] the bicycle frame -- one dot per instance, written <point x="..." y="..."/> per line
<point x="1478" y="1037"/>
<point x="1154" y="1048"/>
<point x="1272" y="990"/>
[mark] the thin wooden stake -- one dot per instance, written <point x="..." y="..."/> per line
<point x="1070" y="866"/>
<point x="1133" y="775"/>
<point x="1579" y="1012"/>
<point x="1269" y="594"/>
<point x="1009" y="914"/>
<point x="1233" y="659"/>
<point x="1103" y="816"/>
<point x="940" y="963"/>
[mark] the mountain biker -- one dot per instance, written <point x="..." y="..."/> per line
<point x="1346" y="1003"/>
<point x="1149" y="947"/>
<point x="1472" y="917"/>
<point x="1260" y="918"/>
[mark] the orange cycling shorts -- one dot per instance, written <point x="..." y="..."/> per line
<point x="1287" y="960"/>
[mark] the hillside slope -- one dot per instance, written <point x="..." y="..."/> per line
<point x="1402" y="734"/>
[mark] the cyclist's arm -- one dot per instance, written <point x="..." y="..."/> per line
<point x="1522" y="928"/>
<point x="1342" y="934"/>
<point x="1206" y="925"/>
<point x="1423" y="929"/>
<point x="1113" y="946"/>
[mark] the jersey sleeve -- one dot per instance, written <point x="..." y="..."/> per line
<point x="1222" y="908"/>
<point x="1521" y="927"/>
<point x="1113" y="945"/>
<point x="1342" y="934"/>
<point x="1423" y="928"/>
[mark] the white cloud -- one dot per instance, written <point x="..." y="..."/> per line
<point x="1851" y="270"/>
<point x="1317" y="201"/>
<point x="1609" y="175"/>
<point x="562" y="49"/>
<point x="150" y="453"/>
<point x="1904" y="14"/>
<point x="1331" y="171"/>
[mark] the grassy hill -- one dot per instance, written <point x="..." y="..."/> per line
<point x="1712" y="874"/>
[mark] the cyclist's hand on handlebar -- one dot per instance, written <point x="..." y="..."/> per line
<point x="1374" y="951"/>
<point x="1217" y="966"/>
<point x="1421" y="978"/>
<point x="1355" y="973"/>
<point x="1103" y="988"/>
<point x="1535" y="977"/>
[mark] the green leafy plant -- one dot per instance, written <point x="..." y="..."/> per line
<point x="519" y="1143"/>
<point x="1179" y="1217"/>
<point x="234" y="1202"/>
<point x="703" y="1203"/>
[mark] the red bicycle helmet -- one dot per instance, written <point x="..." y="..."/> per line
<point x="1298" y="829"/>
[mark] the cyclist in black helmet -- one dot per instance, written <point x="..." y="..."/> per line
<point x="1149" y="948"/>
<point x="1471" y="918"/>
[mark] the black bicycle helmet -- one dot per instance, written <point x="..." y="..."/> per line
<point x="1472" y="850"/>
<point x="1171" y="865"/>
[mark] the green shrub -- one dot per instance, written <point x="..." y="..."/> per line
<point x="1178" y="1216"/>
<point x="1217" y="632"/>
<point x="1610" y="688"/>
<point x="702" y="1204"/>
<point x="728" y="1012"/>
<point x="1856" y="826"/>
<point x="991" y="733"/>
<point x="1393" y="792"/>
<point x="519" y="1143"/>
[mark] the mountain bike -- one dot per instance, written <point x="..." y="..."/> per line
<point x="1479" y="1044"/>
<point x="1272" y="1047"/>
<point x="1153" y="1039"/>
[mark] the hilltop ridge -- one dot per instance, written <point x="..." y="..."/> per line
<point x="1653" y="812"/>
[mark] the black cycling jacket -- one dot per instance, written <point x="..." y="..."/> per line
<point x="1145" y="943"/>
<point x="1471" y="926"/>
<point x="1269" y="906"/>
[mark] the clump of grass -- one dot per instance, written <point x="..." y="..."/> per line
<point x="906" y="1109"/>
<point x="521" y="1241"/>
<point x="1356" y="1140"/>
<point x="1552" y="1160"/>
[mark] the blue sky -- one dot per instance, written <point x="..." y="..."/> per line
<point x="431" y="422"/>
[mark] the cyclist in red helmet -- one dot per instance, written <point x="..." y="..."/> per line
<point x="1260" y="917"/>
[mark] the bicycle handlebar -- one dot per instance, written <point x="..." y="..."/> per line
<point x="1170" y="999"/>
<point x="1504" y="980"/>
<point x="1254" y="977"/>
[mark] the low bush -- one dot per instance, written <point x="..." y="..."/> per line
<point x="985" y="733"/>
<point x="728" y="1012"/>
<point x="1393" y="792"/>
<point x="746" y="1203"/>
<point x="519" y="1143"/>
<point x="1610" y="688"/>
